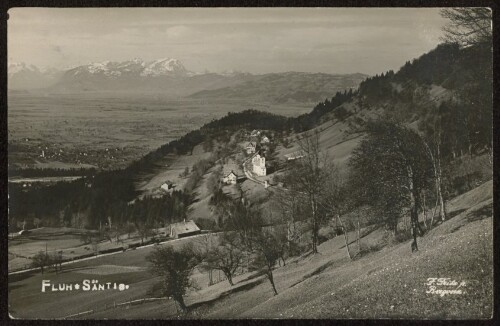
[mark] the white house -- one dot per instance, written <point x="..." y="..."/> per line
<point x="167" y="186"/>
<point x="250" y="148"/>
<point x="259" y="165"/>
<point x="264" y="140"/>
<point x="230" y="178"/>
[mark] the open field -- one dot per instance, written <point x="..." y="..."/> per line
<point x="66" y="240"/>
<point x="390" y="282"/>
<point x="107" y="131"/>
<point x="129" y="268"/>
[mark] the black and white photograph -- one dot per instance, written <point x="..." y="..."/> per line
<point x="207" y="163"/>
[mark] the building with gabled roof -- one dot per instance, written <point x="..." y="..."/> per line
<point x="230" y="178"/>
<point x="250" y="147"/>
<point x="184" y="229"/>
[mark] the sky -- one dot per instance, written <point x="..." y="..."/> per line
<point x="255" y="40"/>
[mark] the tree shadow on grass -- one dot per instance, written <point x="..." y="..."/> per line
<point x="455" y="213"/>
<point x="320" y="270"/>
<point x="475" y="215"/>
<point x="200" y="309"/>
<point x="75" y="269"/>
<point x="252" y="276"/>
<point x="480" y="214"/>
<point x="22" y="276"/>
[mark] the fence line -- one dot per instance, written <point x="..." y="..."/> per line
<point x="79" y="314"/>
<point x="114" y="306"/>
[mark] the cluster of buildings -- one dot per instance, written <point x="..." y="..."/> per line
<point x="258" y="161"/>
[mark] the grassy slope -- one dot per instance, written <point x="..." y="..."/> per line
<point x="170" y="169"/>
<point x="388" y="283"/>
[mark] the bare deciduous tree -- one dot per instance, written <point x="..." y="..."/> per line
<point x="175" y="268"/>
<point x="468" y="26"/>
<point x="308" y="176"/>
<point x="266" y="251"/>
<point x="40" y="260"/>
<point x="226" y="255"/>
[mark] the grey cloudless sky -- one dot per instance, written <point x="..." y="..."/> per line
<point x="256" y="40"/>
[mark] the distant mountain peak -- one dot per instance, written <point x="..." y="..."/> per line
<point x="164" y="66"/>
<point x="136" y="66"/>
<point x="16" y="67"/>
<point x="28" y="76"/>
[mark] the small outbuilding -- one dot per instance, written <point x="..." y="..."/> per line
<point x="294" y="155"/>
<point x="184" y="229"/>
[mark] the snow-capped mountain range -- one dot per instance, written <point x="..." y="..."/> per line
<point x="134" y="67"/>
<point x="131" y="72"/>
<point x="169" y="77"/>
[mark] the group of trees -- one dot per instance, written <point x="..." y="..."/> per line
<point x="78" y="205"/>
<point x="309" y="120"/>
<point x="397" y="168"/>
<point x="243" y="243"/>
<point x="44" y="260"/>
<point x="395" y="171"/>
<point x="307" y="180"/>
<point x="462" y="67"/>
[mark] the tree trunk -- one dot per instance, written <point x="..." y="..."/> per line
<point x="271" y="280"/>
<point x="182" y="305"/>
<point x="439" y="187"/>
<point x="359" y="233"/>
<point x="436" y="164"/>
<point x="413" y="209"/>
<point x="424" y="209"/>
<point x="229" y="278"/>
<point x="345" y="236"/>
<point x="314" y="230"/>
